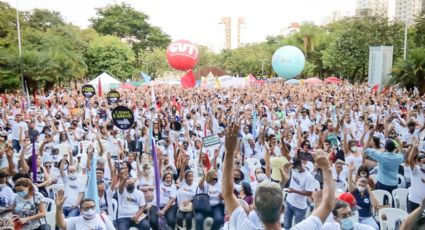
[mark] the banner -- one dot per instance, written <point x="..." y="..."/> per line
<point x="113" y="96"/>
<point x="211" y="140"/>
<point x="122" y="117"/>
<point x="88" y="91"/>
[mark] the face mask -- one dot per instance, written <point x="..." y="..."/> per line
<point x="237" y="180"/>
<point x="423" y="166"/>
<point x="89" y="214"/>
<point x="361" y="189"/>
<point x="354" y="149"/>
<point x="73" y="176"/>
<point x="347" y="223"/>
<point x="167" y="183"/>
<point x="22" y="193"/>
<point x="364" y="175"/>
<point x="130" y="188"/>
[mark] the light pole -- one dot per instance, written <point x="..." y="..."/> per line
<point x="405" y="39"/>
<point x="18" y="27"/>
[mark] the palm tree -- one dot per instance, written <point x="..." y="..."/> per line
<point x="411" y="72"/>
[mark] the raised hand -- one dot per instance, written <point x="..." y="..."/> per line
<point x="321" y="160"/>
<point x="60" y="199"/>
<point x="231" y="140"/>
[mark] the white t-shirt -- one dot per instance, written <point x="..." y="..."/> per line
<point x="166" y="193"/>
<point x="357" y="161"/>
<point x="302" y="182"/>
<point x="129" y="203"/>
<point x="336" y="226"/>
<point x="72" y="189"/>
<point x="213" y="191"/>
<point x="16" y="129"/>
<point x="239" y="220"/>
<point x="7" y="196"/>
<point x="311" y="223"/>
<point x="186" y="192"/>
<point x="78" y="222"/>
<point x="416" y="190"/>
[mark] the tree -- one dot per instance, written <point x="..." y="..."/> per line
<point x="411" y="72"/>
<point x="43" y="19"/>
<point x="349" y="40"/>
<point x="108" y="53"/>
<point x="123" y="21"/>
<point x="420" y="30"/>
<point x="154" y="63"/>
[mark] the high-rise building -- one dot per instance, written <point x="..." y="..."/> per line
<point x="294" y="27"/>
<point x="226" y="24"/>
<point x="372" y="8"/>
<point x="241" y="32"/>
<point x="407" y="10"/>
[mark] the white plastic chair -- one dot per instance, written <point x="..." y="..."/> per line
<point x="50" y="204"/>
<point x="53" y="189"/>
<point x="401" y="181"/>
<point x="400" y="198"/>
<point x="392" y="215"/>
<point x="51" y="219"/>
<point x="380" y="195"/>
<point x="113" y="209"/>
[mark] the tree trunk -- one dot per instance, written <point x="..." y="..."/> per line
<point x="353" y="76"/>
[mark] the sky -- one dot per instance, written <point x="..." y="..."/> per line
<point x="197" y="20"/>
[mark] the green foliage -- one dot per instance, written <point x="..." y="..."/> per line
<point x="43" y="19"/>
<point x="419" y="34"/>
<point x="154" y="63"/>
<point x="124" y="21"/>
<point x="411" y="72"/>
<point x="109" y="54"/>
<point x="347" y="52"/>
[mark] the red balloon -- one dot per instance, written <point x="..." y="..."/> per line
<point x="182" y="55"/>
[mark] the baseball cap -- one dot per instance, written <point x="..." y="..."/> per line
<point x="348" y="197"/>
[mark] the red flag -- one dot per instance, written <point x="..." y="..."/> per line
<point x="188" y="81"/>
<point x="375" y="88"/>
<point x="386" y="89"/>
<point x="99" y="88"/>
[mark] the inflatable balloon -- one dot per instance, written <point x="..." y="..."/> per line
<point x="182" y="55"/>
<point x="288" y="62"/>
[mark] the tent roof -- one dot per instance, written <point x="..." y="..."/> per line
<point x="104" y="79"/>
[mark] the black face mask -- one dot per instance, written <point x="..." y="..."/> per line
<point x="130" y="188"/>
<point x="237" y="180"/>
<point x="214" y="180"/>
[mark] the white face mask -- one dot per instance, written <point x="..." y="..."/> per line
<point x="354" y="149"/>
<point x="89" y="214"/>
<point x="238" y="188"/>
<point x="360" y="188"/>
<point x="73" y="176"/>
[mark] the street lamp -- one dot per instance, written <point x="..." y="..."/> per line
<point x="405" y="39"/>
<point x="18" y="27"/>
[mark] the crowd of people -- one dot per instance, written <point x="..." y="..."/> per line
<point x="285" y="157"/>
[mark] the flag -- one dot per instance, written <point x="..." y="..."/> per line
<point x="254" y="123"/>
<point x="99" y="88"/>
<point x="146" y="78"/>
<point x="156" y="172"/>
<point x="92" y="192"/>
<point x="188" y="81"/>
<point x="385" y="90"/>
<point x="35" y="96"/>
<point x="34" y="163"/>
<point x="375" y="88"/>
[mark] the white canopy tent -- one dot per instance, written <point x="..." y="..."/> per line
<point x="106" y="80"/>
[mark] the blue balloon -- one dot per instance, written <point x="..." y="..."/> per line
<point x="288" y="62"/>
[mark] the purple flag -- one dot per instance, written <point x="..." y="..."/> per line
<point x="156" y="171"/>
<point x="34" y="164"/>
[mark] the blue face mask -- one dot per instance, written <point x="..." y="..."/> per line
<point x="347" y="223"/>
<point x="22" y="193"/>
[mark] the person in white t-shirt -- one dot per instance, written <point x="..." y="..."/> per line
<point x="74" y="189"/>
<point x="89" y="219"/>
<point x="345" y="219"/>
<point x="301" y="186"/>
<point x="416" y="191"/>
<point x="268" y="197"/>
<point x="185" y="195"/>
<point x="131" y="202"/>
